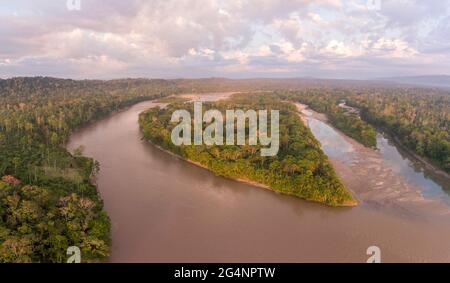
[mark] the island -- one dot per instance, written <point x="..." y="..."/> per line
<point x="300" y="168"/>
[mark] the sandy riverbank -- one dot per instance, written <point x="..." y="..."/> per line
<point x="241" y="180"/>
<point x="220" y="96"/>
<point x="371" y="180"/>
<point x="374" y="181"/>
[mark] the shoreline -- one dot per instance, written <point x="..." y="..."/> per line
<point x="249" y="182"/>
<point x="184" y="210"/>
<point x="376" y="185"/>
<point x="422" y="160"/>
<point x="226" y="95"/>
<point x="417" y="158"/>
<point x="336" y="164"/>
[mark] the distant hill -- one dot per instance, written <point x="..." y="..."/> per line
<point x="436" y="81"/>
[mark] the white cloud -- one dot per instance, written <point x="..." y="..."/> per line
<point x="215" y="37"/>
<point x="393" y="48"/>
<point x="339" y="48"/>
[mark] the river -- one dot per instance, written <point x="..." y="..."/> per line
<point x="164" y="209"/>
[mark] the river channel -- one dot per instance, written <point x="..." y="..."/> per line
<point x="164" y="209"/>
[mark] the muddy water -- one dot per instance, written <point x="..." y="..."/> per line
<point x="166" y="210"/>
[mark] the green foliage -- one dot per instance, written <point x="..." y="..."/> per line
<point x="417" y="118"/>
<point x="328" y="103"/>
<point x="300" y="168"/>
<point x="47" y="213"/>
<point x="37" y="226"/>
<point x="57" y="206"/>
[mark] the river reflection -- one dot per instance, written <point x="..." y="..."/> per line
<point x="166" y="210"/>
<point x="336" y="146"/>
<point x="413" y="170"/>
<point x="333" y="144"/>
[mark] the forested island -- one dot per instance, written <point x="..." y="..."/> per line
<point x="300" y="168"/>
<point x="417" y="117"/>
<point x="48" y="201"/>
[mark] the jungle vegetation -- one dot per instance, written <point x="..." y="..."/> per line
<point x="47" y="200"/>
<point x="329" y="103"/>
<point x="300" y="168"/>
<point x="417" y="118"/>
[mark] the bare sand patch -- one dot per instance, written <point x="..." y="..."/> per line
<point x="375" y="182"/>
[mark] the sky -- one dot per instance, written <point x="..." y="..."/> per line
<point x="105" y="39"/>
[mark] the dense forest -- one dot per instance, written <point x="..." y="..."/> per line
<point x="329" y="103"/>
<point x="417" y="118"/>
<point x="300" y="168"/>
<point x="47" y="200"/>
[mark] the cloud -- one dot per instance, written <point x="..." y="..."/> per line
<point x="242" y="38"/>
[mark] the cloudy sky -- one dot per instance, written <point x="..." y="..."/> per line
<point x="230" y="38"/>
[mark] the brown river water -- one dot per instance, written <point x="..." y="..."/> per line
<point x="164" y="209"/>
